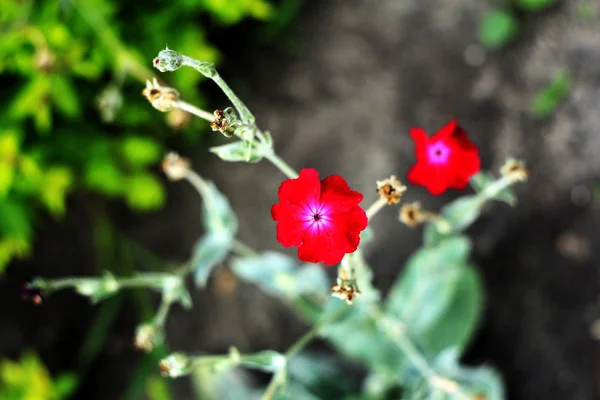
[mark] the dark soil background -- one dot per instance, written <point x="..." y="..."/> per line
<point x="341" y="99"/>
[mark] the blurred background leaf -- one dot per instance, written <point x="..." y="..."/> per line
<point x="28" y="378"/>
<point x="73" y="118"/>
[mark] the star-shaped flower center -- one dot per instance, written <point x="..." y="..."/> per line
<point x="438" y="153"/>
<point x="316" y="216"/>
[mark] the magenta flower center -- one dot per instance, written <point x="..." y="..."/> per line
<point x="316" y="216"/>
<point x="438" y="153"/>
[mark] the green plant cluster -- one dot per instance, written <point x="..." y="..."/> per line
<point x="28" y="378"/>
<point x="67" y="69"/>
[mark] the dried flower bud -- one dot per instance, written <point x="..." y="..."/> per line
<point x="147" y="337"/>
<point x="163" y="98"/>
<point x="175" y="365"/>
<point x="167" y="60"/>
<point x="31" y="293"/>
<point x="175" y="166"/>
<point x="514" y="170"/>
<point x="220" y="123"/>
<point x="390" y="189"/>
<point x="178" y="119"/>
<point x="346" y="292"/>
<point x="412" y="215"/>
<point x="346" y="288"/>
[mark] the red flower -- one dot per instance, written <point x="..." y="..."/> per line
<point x="446" y="160"/>
<point x="321" y="218"/>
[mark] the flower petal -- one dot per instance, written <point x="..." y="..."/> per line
<point x="337" y="230"/>
<point x="446" y="131"/>
<point x="336" y="195"/>
<point x="455" y="172"/>
<point x="325" y="244"/>
<point x="305" y="189"/>
<point x="292" y="223"/>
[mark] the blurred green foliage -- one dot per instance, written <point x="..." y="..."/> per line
<point x="72" y="118"/>
<point x="501" y="26"/>
<point x="28" y="379"/>
<point x="548" y="98"/>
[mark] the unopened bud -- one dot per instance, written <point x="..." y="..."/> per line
<point x="163" y="98"/>
<point x="175" y="166"/>
<point x="390" y="189"/>
<point x="148" y="336"/>
<point x="175" y="365"/>
<point x="167" y="60"/>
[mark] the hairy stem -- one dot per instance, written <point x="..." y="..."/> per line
<point x="198" y="112"/>
<point x="243" y="111"/>
<point x="376" y="207"/>
<point x="282" y="165"/>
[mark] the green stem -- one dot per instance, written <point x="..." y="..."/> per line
<point x="163" y="312"/>
<point x="303" y="341"/>
<point x="396" y="331"/>
<point x="277" y="381"/>
<point x="243" y="249"/>
<point x="282" y="165"/>
<point x="243" y="111"/>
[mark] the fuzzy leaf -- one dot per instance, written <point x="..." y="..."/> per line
<point x="356" y="335"/>
<point x="236" y="152"/>
<point x="221" y="225"/>
<point x="481" y="381"/>
<point x="210" y="251"/>
<point x="438" y="297"/>
<point x="281" y="275"/>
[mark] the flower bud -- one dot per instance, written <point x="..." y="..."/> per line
<point x="390" y="189"/>
<point x="163" y="98"/>
<point x="148" y="336"/>
<point x="167" y="60"/>
<point x="175" y="365"/>
<point x="175" y="167"/>
<point x="346" y="288"/>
